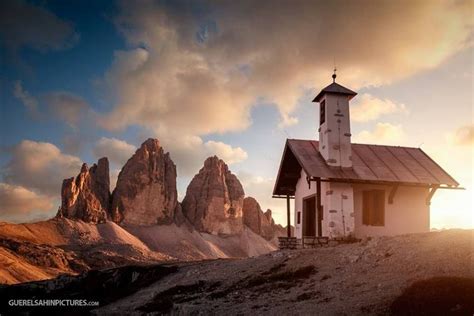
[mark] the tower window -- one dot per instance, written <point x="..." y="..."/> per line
<point x="322" y="112"/>
<point x="373" y="208"/>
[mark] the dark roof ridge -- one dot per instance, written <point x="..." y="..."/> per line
<point x="364" y="144"/>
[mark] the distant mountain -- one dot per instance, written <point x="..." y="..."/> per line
<point x="141" y="221"/>
<point x="146" y="193"/>
<point x="214" y="199"/>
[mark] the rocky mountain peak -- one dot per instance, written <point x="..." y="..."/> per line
<point x="146" y="188"/>
<point x="268" y="215"/>
<point x="84" y="168"/>
<point x="259" y="222"/>
<point x="214" y="199"/>
<point x="87" y="196"/>
<point x="146" y="194"/>
<point x="151" y="145"/>
<point x="214" y="162"/>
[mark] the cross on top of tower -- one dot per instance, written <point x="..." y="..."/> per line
<point x="334" y="88"/>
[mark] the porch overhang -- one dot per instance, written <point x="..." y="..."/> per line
<point x="388" y="183"/>
<point x="372" y="164"/>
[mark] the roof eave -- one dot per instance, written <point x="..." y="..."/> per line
<point x="439" y="166"/>
<point x="322" y="93"/>
<point x="390" y="183"/>
<point x="299" y="161"/>
<point x="279" y="168"/>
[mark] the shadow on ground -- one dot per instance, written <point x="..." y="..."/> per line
<point x="437" y="296"/>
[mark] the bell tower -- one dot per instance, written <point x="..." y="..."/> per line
<point x="337" y="199"/>
<point x="334" y="124"/>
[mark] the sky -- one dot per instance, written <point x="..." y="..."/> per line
<point x="80" y="80"/>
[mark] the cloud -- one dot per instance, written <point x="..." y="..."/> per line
<point x="463" y="136"/>
<point x="368" y="108"/>
<point x="114" y="173"/>
<point x="200" y="73"/>
<point x="118" y="151"/>
<point x="66" y="106"/>
<point x="226" y="152"/>
<point x="19" y="203"/>
<point x="72" y="143"/>
<point x="40" y="166"/>
<point x="30" y="102"/>
<point x="189" y="152"/>
<point x="26" y="25"/>
<point x="287" y="120"/>
<point x="383" y="134"/>
<point x="181" y="95"/>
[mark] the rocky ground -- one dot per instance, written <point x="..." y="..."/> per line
<point x="44" y="250"/>
<point x="430" y="273"/>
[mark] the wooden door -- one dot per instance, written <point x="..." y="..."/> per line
<point x="309" y="217"/>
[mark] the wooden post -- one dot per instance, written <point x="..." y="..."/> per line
<point x="431" y="193"/>
<point x="393" y="191"/>
<point x="319" y="207"/>
<point x="288" y="215"/>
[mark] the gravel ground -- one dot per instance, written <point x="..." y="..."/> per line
<point x="383" y="275"/>
<point x="360" y="278"/>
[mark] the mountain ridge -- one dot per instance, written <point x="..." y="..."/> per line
<point x="140" y="221"/>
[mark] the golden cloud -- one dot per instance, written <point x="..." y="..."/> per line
<point x="368" y="108"/>
<point x="40" y="166"/>
<point x="195" y="75"/>
<point x="382" y="134"/>
<point x="116" y="150"/>
<point x="21" y="203"/>
<point x="464" y="135"/>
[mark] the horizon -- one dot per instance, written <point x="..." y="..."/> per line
<point x="82" y="81"/>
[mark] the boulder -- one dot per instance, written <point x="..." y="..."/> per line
<point x="214" y="199"/>
<point x="87" y="196"/>
<point x="146" y="188"/>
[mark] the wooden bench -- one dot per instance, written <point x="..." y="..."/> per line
<point x="287" y="242"/>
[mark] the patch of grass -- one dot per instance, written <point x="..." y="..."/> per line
<point x="436" y="296"/>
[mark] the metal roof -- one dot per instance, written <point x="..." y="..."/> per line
<point x="370" y="163"/>
<point x="336" y="89"/>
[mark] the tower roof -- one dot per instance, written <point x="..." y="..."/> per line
<point x="335" y="88"/>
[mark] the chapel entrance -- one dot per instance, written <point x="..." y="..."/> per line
<point x="309" y="217"/>
<point x="312" y="219"/>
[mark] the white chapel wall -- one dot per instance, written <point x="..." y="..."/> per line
<point x="408" y="213"/>
<point x="302" y="191"/>
<point x="338" y="207"/>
